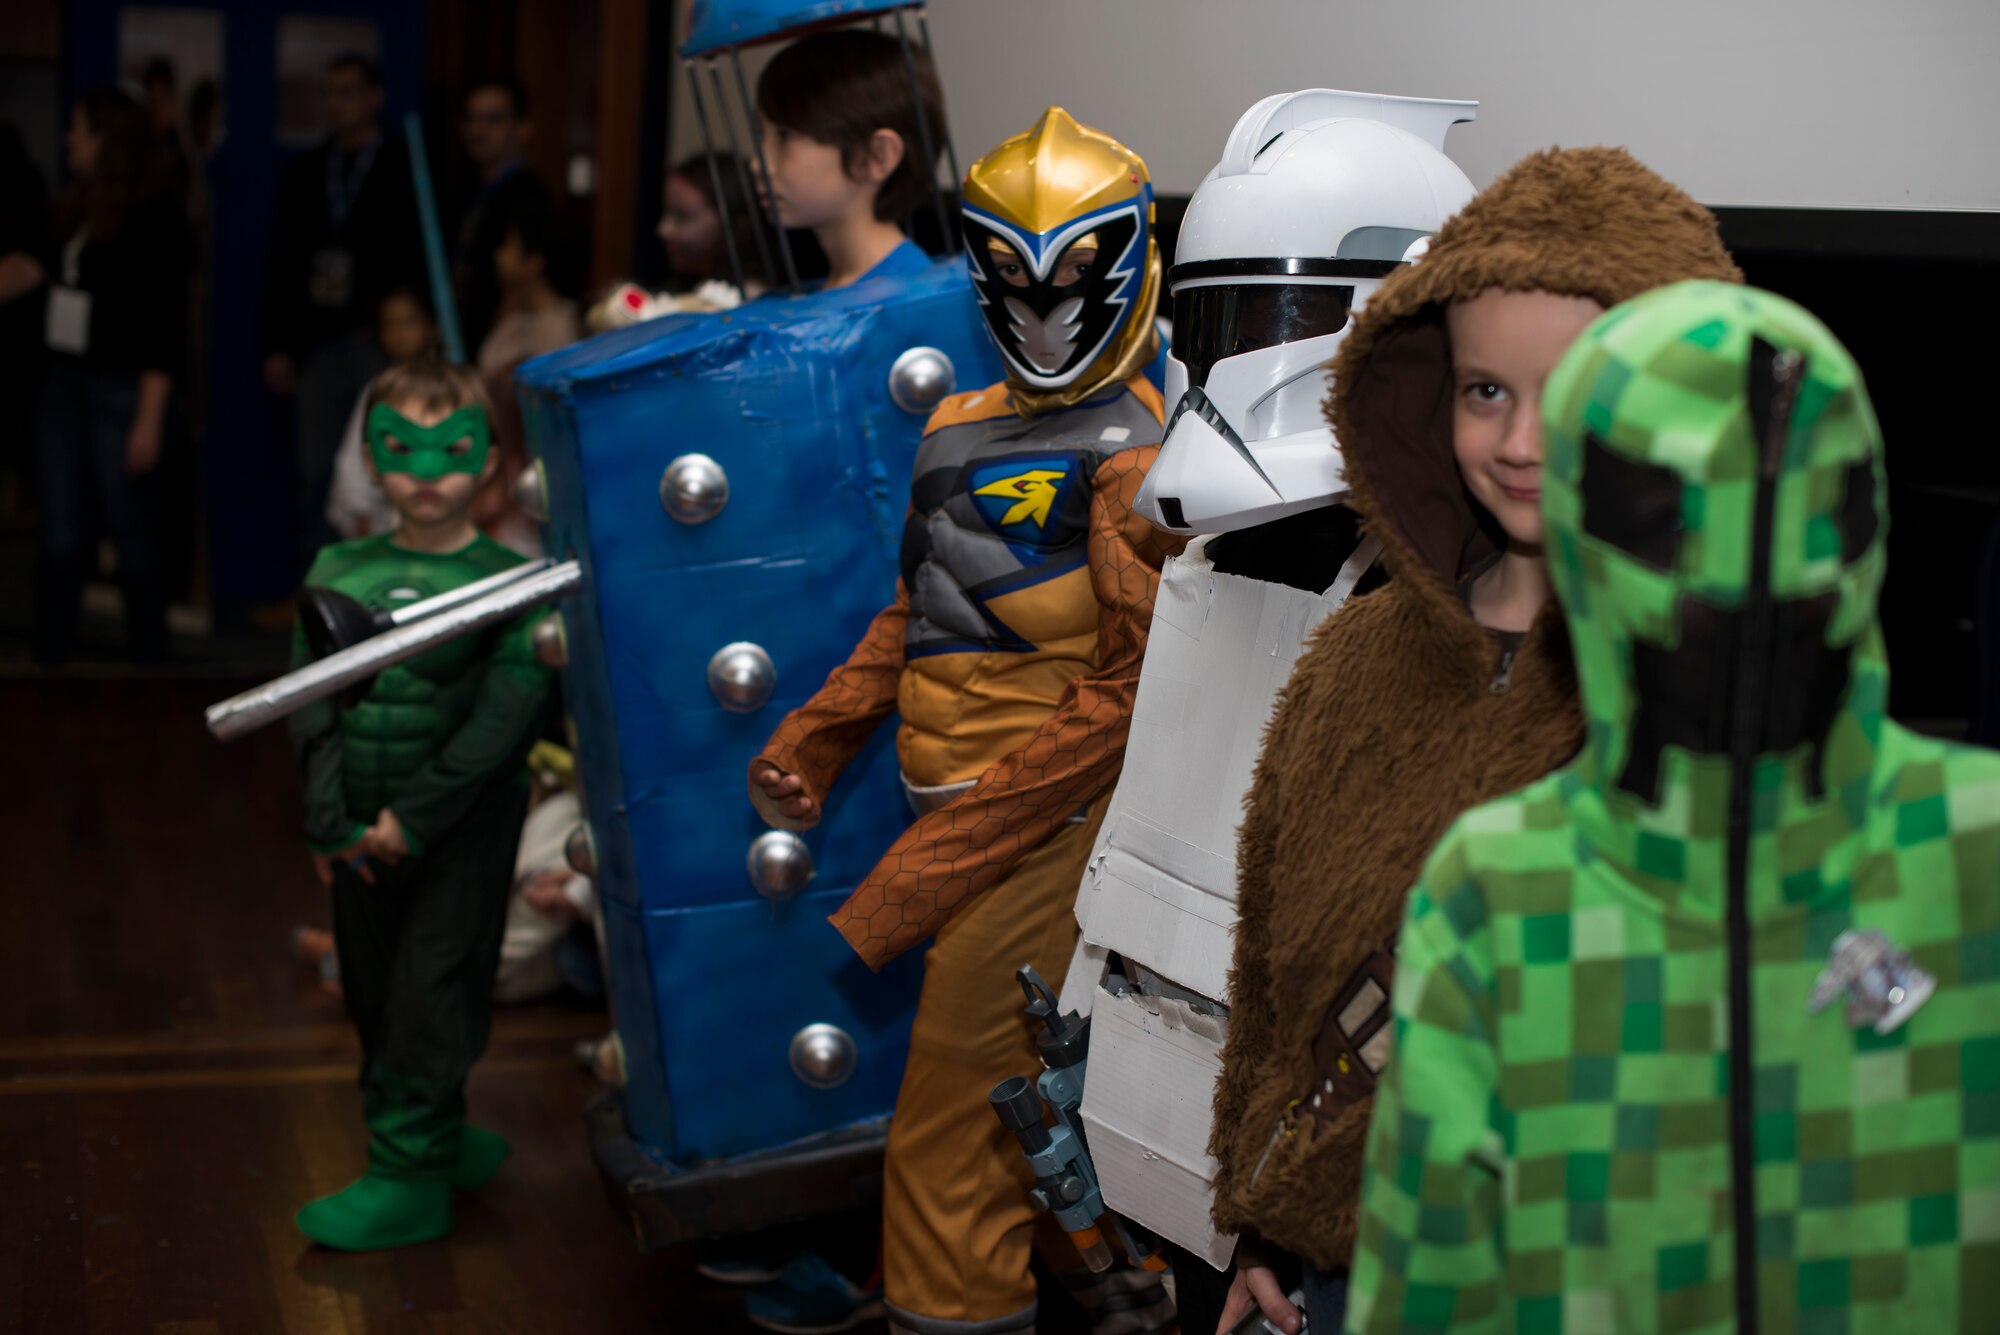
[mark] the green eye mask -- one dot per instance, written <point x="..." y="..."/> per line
<point x="398" y="445"/>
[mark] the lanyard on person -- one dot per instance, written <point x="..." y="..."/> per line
<point x="343" y="189"/>
<point x="66" y="326"/>
<point x="72" y="258"/>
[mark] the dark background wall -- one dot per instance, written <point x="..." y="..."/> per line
<point x="599" y="142"/>
<point x="244" y="460"/>
<point x="1908" y="289"/>
<point x="1910" y="294"/>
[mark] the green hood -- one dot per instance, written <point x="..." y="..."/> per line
<point x="1713" y="505"/>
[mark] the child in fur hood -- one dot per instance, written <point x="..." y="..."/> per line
<point x="1450" y="686"/>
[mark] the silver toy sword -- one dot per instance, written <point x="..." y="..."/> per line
<point x="412" y="630"/>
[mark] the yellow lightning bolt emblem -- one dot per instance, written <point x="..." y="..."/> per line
<point x="1036" y="490"/>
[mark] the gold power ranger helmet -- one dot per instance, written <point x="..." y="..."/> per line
<point x="1059" y="233"/>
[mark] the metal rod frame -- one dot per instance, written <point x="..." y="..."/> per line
<point x="923" y="133"/>
<point x="764" y="168"/>
<point x="950" y="153"/>
<point x="757" y="215"/>
<point x="715" y="181"/>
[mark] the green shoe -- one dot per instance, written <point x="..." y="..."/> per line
<point x="480" y="1154"/>
<point x="379" y="1211"/>
<point x="413" y="1157"/>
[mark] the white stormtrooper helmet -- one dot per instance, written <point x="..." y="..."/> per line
<point x="1319" y="196"/>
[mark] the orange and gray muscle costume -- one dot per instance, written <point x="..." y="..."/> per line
<point x="1012" y="653"/>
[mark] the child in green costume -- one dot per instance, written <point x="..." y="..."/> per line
<point x="1702" y="1032"/>
<point x="414" y="799"/>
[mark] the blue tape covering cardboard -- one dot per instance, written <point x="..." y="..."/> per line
<point x="790" y="396"/>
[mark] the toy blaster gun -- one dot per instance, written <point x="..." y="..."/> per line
<point x="350" y="643"/>
<point x="1065" y="1179"/>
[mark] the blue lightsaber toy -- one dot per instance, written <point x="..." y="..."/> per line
<point x="442" y="299"/>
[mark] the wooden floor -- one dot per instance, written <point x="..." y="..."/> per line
<point x="173" y="1086"/>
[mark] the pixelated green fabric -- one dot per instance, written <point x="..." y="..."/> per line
<point x="1551" y="1146"/>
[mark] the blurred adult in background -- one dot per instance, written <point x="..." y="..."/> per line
<point x="116" y="267"/>
<point x="163" y="108"/>
<point x="346" y="232"/>
<point x="205" y="118"/>
<point x="495" y="130"/>
<point x="204" y="135"/>
<point x="537" y="268"/>
<point x="695" y="237"/>
<point x="179" y="474"/>
<point x="693" y="230"/>
<point x="24" y="225"/>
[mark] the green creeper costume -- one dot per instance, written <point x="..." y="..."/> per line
<point x="440" y="739"/>
<point x="1611" y="1106"/>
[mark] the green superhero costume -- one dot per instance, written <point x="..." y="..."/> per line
<point x="1612" y="1105"/>
<point x="439" y="739"/>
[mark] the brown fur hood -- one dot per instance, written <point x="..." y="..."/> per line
<point x="1403" y="712"/>
<point x="1583" y="222"/>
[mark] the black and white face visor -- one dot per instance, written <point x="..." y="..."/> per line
<point x="1225" y="308"/>
<point x="1054" y="301"/>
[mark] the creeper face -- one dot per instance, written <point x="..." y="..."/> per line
<point x="1713" y="511"/>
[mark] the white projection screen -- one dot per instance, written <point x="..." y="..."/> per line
<point x="1772" y="103"/>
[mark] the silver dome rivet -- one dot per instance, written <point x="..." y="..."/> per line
<point x="580" y="851"/>
<point x="742" y="677"/>
<point x="551" y="641"/>
<point x="531" y="492"/>
<point x="780" y="864"/>
<point x="920" y="379"/>
<point x="694" y="489"/>
<point x="822" y="1055"/>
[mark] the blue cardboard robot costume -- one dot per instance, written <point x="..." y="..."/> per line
<point x="719" y="475"/>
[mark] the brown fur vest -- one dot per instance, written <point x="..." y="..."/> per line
<point x="1389" y="729"/>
